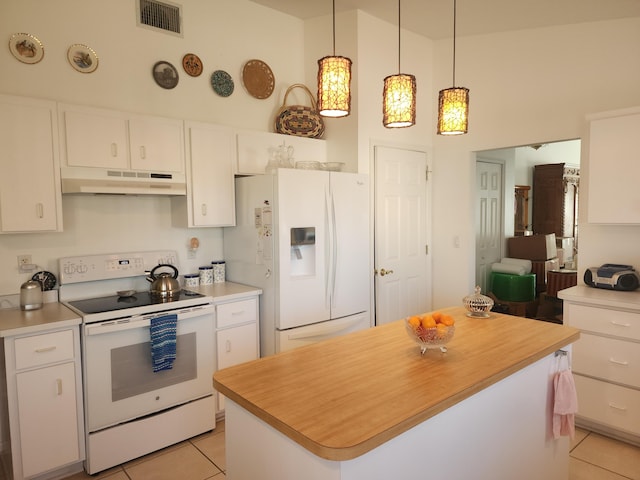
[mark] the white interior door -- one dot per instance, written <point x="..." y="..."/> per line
<point x="489" y="188"/>
<point x="402" y="262"/>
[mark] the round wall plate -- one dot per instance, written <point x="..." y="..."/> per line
<point x="192" y="64"/>
<point x="165" y="74"/>
<point x="258" y="79"/>
<point x="222" y="83"/>
<point x="82" y="58"/>
<point x="26" y="47"/>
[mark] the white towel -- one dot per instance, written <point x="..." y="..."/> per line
<point x="565" y="404"/>
<point x="506" y="268"/>
<point x="519" y="261"/>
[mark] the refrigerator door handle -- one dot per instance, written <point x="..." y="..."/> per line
<point x="334" y="249"/>
<point x="322" y="330"/>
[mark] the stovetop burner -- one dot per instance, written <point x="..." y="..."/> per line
<point x="115" y="302"/>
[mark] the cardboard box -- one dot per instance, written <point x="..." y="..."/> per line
<point x="542" y="268"/>
<point x="533" y="247"/>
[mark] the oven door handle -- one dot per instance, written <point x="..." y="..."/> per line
<point x="116" y="326"/>
<point x="141" y="321"/>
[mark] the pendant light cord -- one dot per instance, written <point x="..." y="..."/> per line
<point x="334" y="28"/>
<point x="454" y="43"/>
<point x="399" y="37"/>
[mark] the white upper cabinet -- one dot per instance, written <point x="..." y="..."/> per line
<point x="613" y="196"/>
<point x="30" y="195"/>
<point x="101" y="138"/>
<point x="210" y="200"/>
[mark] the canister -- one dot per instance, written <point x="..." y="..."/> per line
<point x="31" y="295"/>
<point x="206" y="275"/>
<point x="218" y="271"/>
<point x="192" y="279"/>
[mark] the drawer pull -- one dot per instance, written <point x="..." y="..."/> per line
<point x="46" y="349"/>
<point x="114" y="149"/>
<point x="239" y="312"/>
<point x="618" y="324"/>
<point x="619" y="362"/>
<point x="59" y="386"/>
<point x="617" y="407"/>
<point x="228" y="346"/>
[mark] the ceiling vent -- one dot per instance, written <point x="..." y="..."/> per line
<point x="162" y="16"/>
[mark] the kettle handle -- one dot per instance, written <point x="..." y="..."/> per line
<point x="175" y="270"/>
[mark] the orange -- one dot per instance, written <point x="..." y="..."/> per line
<point x="428" y="321"/>
<point x="414" y="321"/>
<point x="437" y="316"/>
<point x="447" y="320"/>
<point x="441" y="330"/>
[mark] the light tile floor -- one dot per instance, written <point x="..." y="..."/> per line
<point x="592" y="457"/>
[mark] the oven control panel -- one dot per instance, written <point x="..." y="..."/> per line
<point x="88" y="268"/>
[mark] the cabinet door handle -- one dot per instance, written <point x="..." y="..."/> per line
<point x="228" y="345"/>
<point x="618" y="362"/>
<point x="39" y="210"/>
<point x="59" y="386"/>
<point x="143" y="152"/>
<point x="617" y="407"/>
<point x="203" y="208"/>
<point x="618" y="324"/>
<point x="46" y="349"/>
<point x="114" y="149"/>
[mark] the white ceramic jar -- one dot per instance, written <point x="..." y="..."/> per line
<point x="206" y="275"/>
<point x="218" y="271"/>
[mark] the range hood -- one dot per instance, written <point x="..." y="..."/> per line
<point x="121" y="182"/>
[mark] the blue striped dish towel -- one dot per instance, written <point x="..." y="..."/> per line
<point x="163" y="341"/>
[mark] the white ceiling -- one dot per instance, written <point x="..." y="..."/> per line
<point x="434" y="18"/>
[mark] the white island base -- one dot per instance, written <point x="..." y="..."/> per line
<point x="503" y="432"/>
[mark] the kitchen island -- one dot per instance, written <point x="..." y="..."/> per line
<point x="368" y="405"/>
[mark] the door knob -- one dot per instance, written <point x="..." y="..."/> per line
<point x="384" y="272"/>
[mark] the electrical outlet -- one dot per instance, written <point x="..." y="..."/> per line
<point x="24" y="263"/>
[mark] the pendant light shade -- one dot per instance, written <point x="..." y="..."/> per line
<point x="334" y="82"/>
<point x="453" y="111"/>
<point x="399" y="96"/>
<point x="453" y="103"/>
<point x="399" y="101"/>
<point x="334" y="86"/>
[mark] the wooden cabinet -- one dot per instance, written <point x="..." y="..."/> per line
<point x="44" y="397"/>
<point x="555" y="199"/>
<point x="606" y="359"/>
<point x="521" y="209"/>
<point x="101" y="138"/>
<point x="237" y="334"/>
<point x="210" y="200"/>
<point x="30" y="194"/>
<point x="613" y="195"/>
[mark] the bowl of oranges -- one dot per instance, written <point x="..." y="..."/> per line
<point x="431" y="330"/>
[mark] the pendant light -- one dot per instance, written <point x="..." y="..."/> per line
<point x="453" y="103"/>
<point x="399" y="96"/>
<point x="334" y="82"/>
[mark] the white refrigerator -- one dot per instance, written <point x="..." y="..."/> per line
<point x="303" y="237"/>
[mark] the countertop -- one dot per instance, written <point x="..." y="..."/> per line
<point x="345" y="396"/>
<point x="14" y="321"/>
<point x="602" y="297"/>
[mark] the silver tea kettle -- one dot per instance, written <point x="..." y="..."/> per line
<point x="164" y="284"/>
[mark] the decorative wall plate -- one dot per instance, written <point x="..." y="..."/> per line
<point x="258" y="79"/>
<point x="82" y="58"/>
<point x="165" y="75"/>
<point x="222" y="83"/>
<point x="192" y="64"/>
<point x="26" y="48"/>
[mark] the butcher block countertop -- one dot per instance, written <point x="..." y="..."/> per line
<point x="343" y="397"/>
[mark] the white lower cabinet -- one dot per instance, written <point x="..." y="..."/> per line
<point x="606" y="359"/>
<point x="237" y="335"/>
<point x="44" y="400"/>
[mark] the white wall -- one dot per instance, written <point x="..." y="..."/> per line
<point x="527" y="87"/>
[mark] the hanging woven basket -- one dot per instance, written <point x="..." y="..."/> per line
<point x="299" y="120"/>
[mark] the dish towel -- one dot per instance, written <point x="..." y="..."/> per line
<point x="565" y="404"/>
<point x="163" y="342"/>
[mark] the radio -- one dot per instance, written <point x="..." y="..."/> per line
<point x="613" y="277"/>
